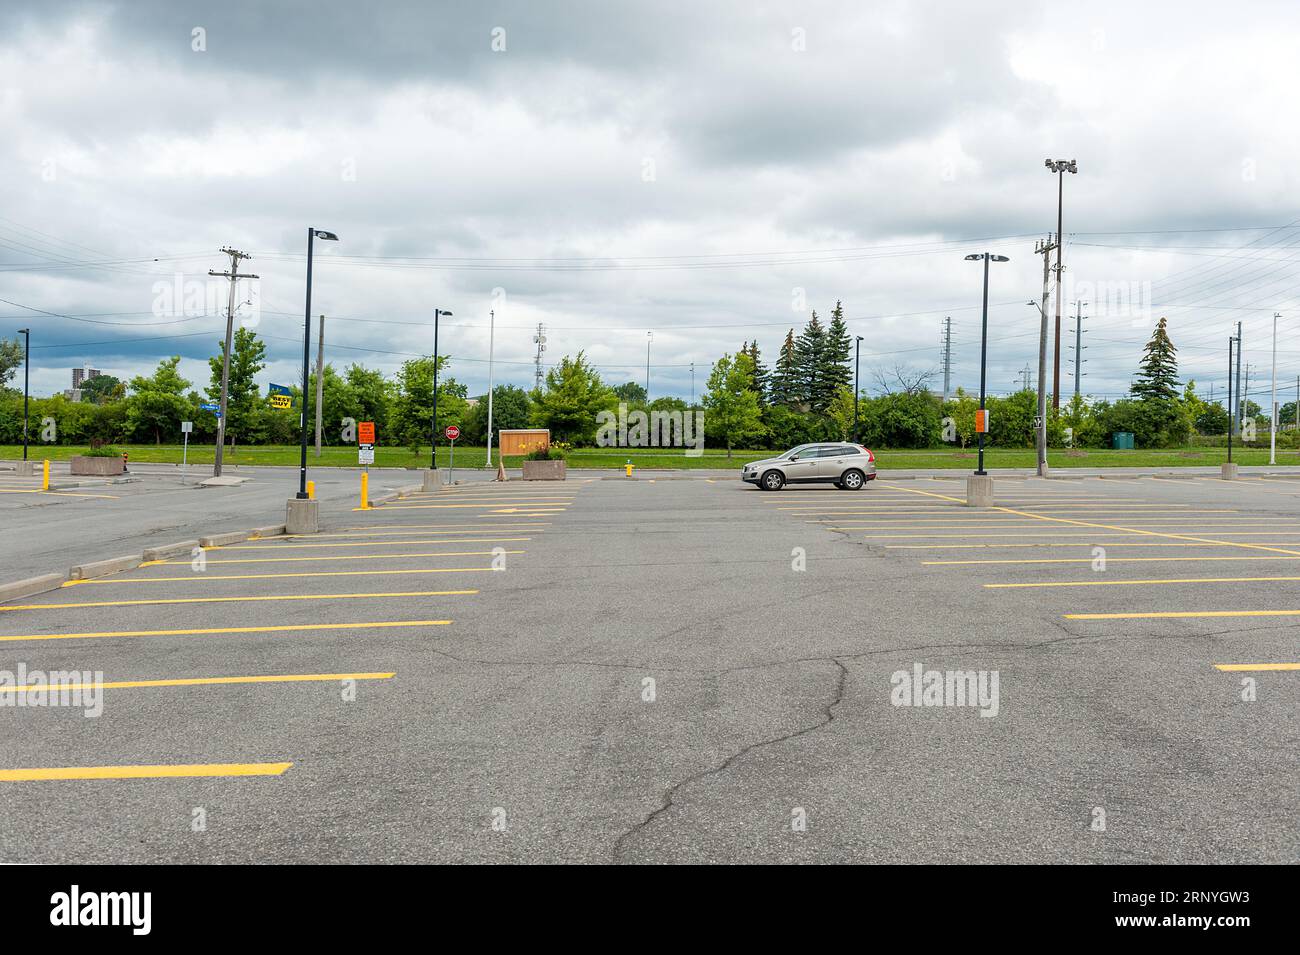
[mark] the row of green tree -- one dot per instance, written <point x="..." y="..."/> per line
<point x="807" y="396"/>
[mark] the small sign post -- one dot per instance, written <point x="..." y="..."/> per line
<point x="453" y="432"/>
<point x="366" y="443"/>
<point x="186" y="428"/>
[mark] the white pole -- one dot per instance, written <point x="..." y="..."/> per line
<point x="492" y="327"/>
<point x="1272" y="427"/>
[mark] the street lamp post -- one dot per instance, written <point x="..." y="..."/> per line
<point x="433" y="456"/>
<point x="312" y="235"/>
<point x="27" y="369"/>
<point x="984" y="338"/>
<point x="857" y="369"/>
<point x="1060" y="167"/>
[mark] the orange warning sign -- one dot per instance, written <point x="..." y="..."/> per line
<point x="982" y="421"/>
<point x="365" y="432"/>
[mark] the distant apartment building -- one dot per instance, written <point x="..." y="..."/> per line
<point x="79" y="377"/>
<point x="84" y="374"/>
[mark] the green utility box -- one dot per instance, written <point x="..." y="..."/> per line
<point x="1121" y="440"/>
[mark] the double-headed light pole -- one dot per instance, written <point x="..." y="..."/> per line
<point x="312" y="235"/>
<point x="1060" y="167"/>
<point x="982" y="424"/>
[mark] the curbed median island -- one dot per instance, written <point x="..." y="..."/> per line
<point x="545" y="470"/>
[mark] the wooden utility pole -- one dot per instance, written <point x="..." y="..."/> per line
<point x="234" y="276"/>
<point x="320" y="378"/>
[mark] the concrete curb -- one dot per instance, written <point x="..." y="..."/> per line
<point x="102" y="568"/>
<point x="396" y="494"/>
<point x="32" y="585"/>
<point x="217" y="540"/>
<point x="271" y="530"/>
<point x="168" y="550"/>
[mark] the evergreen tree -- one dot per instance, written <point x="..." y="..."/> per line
<point x="1157" y="377"/>
<point x="760" y="378"/>
<point x="784" y="388"/>
<point x="810" y="350"/>
<point x="834" y="373"/>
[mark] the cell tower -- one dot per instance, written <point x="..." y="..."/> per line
<point x="947" y="356"/>
<point x="540" y="341"/>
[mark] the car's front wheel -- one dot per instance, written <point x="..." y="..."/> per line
<point x="772" y="481"/>
<point x="852" y="480"/>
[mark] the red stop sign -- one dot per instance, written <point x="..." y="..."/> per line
<point x="453" y="432"/>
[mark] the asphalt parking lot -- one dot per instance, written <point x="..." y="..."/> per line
<point x="684" y="670"/>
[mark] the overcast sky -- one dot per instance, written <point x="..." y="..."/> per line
<point x="707" y="172"/>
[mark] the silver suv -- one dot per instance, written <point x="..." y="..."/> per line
<point x="847" y="466"/>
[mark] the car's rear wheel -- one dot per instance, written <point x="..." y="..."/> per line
<point x="852" y="480"/>
<point x="772" y="481"/>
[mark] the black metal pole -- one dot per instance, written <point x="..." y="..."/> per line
<point x="433" y="458"/>
<point x="306" y="348"/>
<point x="984" y="335"/>
<point x="1229" y="399"/>
<point x="27" y="369"/>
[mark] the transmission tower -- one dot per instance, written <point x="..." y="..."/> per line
<point x="540" y="341"/>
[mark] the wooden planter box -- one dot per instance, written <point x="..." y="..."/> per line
<point x="544" y="470"/>
<point x="99" y="467"/>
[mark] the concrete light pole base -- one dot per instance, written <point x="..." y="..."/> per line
<point x="430" y="480"/>
<point x="302" y="516"/>
<point x="979" y="490"/>
<point x="25" y="468"/>
<point x="1228" y="470"/>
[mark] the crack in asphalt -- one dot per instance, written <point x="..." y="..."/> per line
<point x="668" y="795"/>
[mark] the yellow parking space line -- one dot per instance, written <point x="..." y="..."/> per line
<point x="201" y="631"/>
<point x="201" y="681"/>
<point x="1046" y="533"/>
<point x="480" y="506"/>
<point x="142" y="772"/>
<point x="1074" y="522"/>
<point x="285" y="560"/>
<point x="533" y="527"/>
<point x="1091" y="542"/>
<point x="935" y="512"/>
<point x="1181" y="614"/>
<point x="203" y="578"/>
<point x="1109" y="560"/>
<point x="1139" y="582"/>
<point x="110" y="497"/>
<point x="270" y="543"/>
<point x="1255" y="667"/>
<point x="411" y="528"/>
<point x="217" y="600"/>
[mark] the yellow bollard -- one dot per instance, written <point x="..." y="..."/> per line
<point x="628" y="469"/>
<point x="311" y="490"/>
<point x="45" y="482"/>
<point x="365" y="491"/>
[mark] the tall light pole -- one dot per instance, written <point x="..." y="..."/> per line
<point x="492" y="328"/>
<point x="1060" y="167"/>
<point x="1272" y="426"/>
<point x="27" y="368"/>
<point x="312" y="235"/>
<point x="984" y="340"/>
<point x="649" y="337"/>
<point x="857" y="368"/>
<point x="433" y="456"/>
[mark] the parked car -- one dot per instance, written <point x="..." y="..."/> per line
<point x="847" y="466"/>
